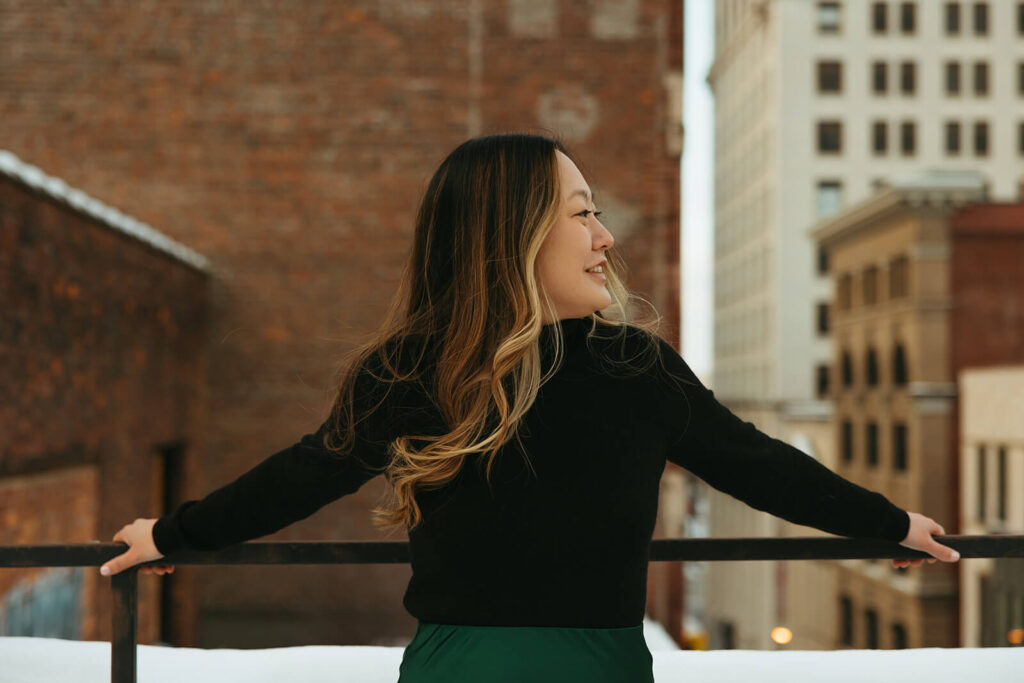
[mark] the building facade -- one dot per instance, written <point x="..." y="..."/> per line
<point x="817" y="105"/>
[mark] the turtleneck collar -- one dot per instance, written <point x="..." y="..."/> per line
<point x="574" y="331"/>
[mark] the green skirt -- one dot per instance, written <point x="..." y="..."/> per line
<point x="449" y="653"/>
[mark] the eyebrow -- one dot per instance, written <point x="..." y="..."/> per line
<point x="584" y="193"/>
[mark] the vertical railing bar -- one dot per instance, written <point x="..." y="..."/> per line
<point x="124" y="639"/>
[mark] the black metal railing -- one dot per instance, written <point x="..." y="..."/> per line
<point x="125" y="584"/>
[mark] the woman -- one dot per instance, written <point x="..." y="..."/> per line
<point x="523" y="424"/>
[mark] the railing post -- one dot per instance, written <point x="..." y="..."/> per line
<point x="125" y="626"/>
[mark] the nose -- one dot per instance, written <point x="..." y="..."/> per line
<point x="602" y="238"/>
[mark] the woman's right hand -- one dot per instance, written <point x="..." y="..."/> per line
<point x="139" y="537"/>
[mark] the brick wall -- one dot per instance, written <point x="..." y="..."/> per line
<point x="290" y="143"/>
<point x="101" y="365"/>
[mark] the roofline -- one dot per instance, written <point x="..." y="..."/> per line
<point x="55" y="188"/>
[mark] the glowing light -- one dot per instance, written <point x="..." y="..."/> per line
<point x="1015" y="636"/>
<point x="781" y="635"/>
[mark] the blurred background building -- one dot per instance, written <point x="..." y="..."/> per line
<point x="288" y="144"/>
<point x="818" y="105"/>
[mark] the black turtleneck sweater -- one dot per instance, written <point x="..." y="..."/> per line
<point x="566" y="543"/>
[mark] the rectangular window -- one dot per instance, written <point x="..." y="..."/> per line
<point x="871" y="629"/>
<point x="871" y="444"/>
<point x="899" y="447"/>
<point x="830" y="77"/>
<point x="846" y="441"/>
<point x="844" y="292"/>
<point x="879" y="17"/>
<point x="908" y="80"/>
<point x="846" y="621"/>
<point x="828" y="17"/>
<point x="822" y="260"/>
<point x="830" y="137"/>
<point x="879" y="137"/>
<point x="952" y="78"/>
<point x="1001" y="484"/>
<point x="982" y="473"/>
<point x="952" y="18"/>
<point x="908" y="138"/>
<point x="1020" y="78"/>
<point x="907" y="17"/>
<point x="899" y="636"/>
<point x="870" y="285"/>
<point x="981" y="138"/>
<point x="822" y="318"/>
<point x="1020" y="139"/>
<point x="1020" y="18"/>
<point x="829" y="198"/>
<point x="981" y="78"/>
<point x="879" y="78"/>
<point x="822" y="381"/>
<point x="899" y="270"/>
<point x="981" y="18"/>
<point x="952" y="137"/>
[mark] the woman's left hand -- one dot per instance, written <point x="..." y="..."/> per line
<point x="919" y="537"/>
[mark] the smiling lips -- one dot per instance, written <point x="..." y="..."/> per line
<point x="598" y="271"/>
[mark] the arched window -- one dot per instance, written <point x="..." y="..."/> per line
<point x="871" y="368"/>
<point x="899" y="366"/>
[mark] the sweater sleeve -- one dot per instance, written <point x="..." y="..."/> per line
<point x="768" y="474"/>
<point x="286" y="487"/>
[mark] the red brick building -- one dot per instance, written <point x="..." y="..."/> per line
<point x="290" y="145"/>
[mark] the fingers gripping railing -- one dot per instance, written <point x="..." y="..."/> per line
<point x="125" y="585"/>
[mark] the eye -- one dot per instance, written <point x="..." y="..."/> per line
<point x="588" y="211"/>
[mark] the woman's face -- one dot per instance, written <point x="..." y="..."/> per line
<point x="575" y="246"/>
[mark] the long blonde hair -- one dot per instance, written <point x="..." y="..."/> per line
<point x="468" y="315"/>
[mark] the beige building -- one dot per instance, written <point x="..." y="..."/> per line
<point x="992" y="502"/>
<point x="894" y="398"/>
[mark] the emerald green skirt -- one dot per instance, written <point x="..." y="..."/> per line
<point x="449" y="653"/>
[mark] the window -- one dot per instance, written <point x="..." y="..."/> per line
<point x="899" y="447"/>
<point x="879" y="78"/>
<point x="822" y="260"/>
<point x="847" y="369"/>
<point x="982" y="474"/>
<point x="846" y="441"/>
<point x="1020" y="18"/>
<point x="1020" y="142"/>
<point x="829" y="198"/>
<point x="952" y="78"/>
<point x="822" y="318"/>
<point x="879" y="17"/>
<point x="981" y="78"/>
<point x="830" y="137"/>
<point x="871" y="368"/>
<point x="880" y="137"/>
<point x="871" y="628"/>
<point x="981" y="18"/>
<point x="899" y="268"/>
<point x="830" y="77"/>
<point x="899" y="366"/>
<point x="908" y="143"/>
<point x="952" y="137"/>
<point x="870" y="285"/>
<point x="952" y="18"/>
<point x="1001" y="484"/>
<point x="899" y="636"/>
<point x="846" y="621"/>
<point x="981" y="138"/>
<point x="907" y="17"/>
<point x="828" y="17"/>
<point x="844" y="292"/>
<point x="822" y="381"/>
<point x="908" y="78"/>
<point x="1020" y="78"/>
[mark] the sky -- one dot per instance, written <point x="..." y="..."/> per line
<point x="697" y="176"/>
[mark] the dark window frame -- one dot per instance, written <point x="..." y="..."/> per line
<point x="908" y="138"/>
<point x="871" y="443"/>
<point x="879" y="137"/>
<point x="982" y="144"/>
<point x="908" y="78"/>
<point x="980" y="18"/>
<point x="899" y="446"/>
<point x="953" y="81"/>
<point x="829" y="132"/>
<point x="982" y="79"/>
<point x="908" y="18"/>
<point x="953" y="138"/>
<point x="952" y="18"/>
<point x="879" y="78"/>
<point x="830" y="77"/>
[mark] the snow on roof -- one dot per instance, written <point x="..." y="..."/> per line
<point x="30" y="660"/>
<point x="16" y="169"/>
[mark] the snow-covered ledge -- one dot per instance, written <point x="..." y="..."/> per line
<point x="31" y="660"/>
